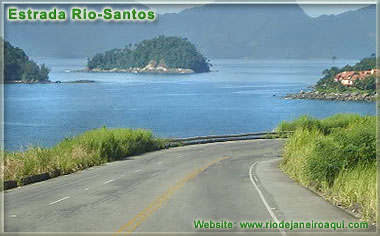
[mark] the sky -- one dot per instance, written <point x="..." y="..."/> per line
<point x="317" y="10"/>
<point x="310" y="9"/>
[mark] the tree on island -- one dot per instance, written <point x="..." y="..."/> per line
<point x="368" y="83"/>
<point x="168" y="51"/>
<point x="18" y="66"/>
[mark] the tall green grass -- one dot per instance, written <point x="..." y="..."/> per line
<point x="91" y="148"/>
<point x="326" y="126"/>
<point x="337" y="157"/>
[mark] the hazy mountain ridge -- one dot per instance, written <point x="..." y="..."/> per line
<point x="254" y="31"/>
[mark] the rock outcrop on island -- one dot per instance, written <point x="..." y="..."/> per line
<point x="152" y="67"/>
<point x="162" y="54"/>
<point x="345" y="96"/>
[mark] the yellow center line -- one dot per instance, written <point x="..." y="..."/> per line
<point x="136" y="221"/>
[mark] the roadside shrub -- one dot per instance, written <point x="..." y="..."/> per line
<point x="305" y="122"/>
<point x="338" y="121"/>
<point x="358" y="141"/>
<point x="325" y="162"/>
<point x="336" y="156"/>
<point x="356" y="189"/>
<point x="325" y="125"/>
<point x="299" y="147"/>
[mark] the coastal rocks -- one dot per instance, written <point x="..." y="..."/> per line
<point x="81" y="81"/>
<point x="27" y="82"/>
<point x="50" y="82"/>
<point x="346" y="96"/>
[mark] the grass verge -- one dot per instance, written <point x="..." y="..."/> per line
<point x="337" y="157"/>
<point x="91" y="148"/>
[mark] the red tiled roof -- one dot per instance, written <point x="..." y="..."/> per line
<point x="353" y="75"/>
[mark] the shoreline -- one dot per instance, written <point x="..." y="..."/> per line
<point x="138" y="70"/>
<point x="50" y="82"/>
<point x="343" y="96"/>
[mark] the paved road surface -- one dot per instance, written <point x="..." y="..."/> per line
<point x="165" y="191"/>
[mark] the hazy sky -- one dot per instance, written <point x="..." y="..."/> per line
<point x="312" y="10"/>
<point x="317" y="10"/>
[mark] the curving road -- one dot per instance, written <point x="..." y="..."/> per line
<point x="165" y="191"/>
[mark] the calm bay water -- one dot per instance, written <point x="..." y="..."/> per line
<point x="241" y="96"/>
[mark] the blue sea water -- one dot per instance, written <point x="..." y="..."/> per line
<point x="239" y="96"/>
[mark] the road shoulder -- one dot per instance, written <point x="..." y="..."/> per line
<point x="292" y="202"/>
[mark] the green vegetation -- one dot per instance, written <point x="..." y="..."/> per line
<point x="368" y="85"/>
<point x="92" y="148"/>
<point x="18" y="66"/>
<point x="171" y="52"/>
<point x="337" y="157"/>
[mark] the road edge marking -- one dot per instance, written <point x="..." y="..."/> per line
<point x="136" y="221"/>
<point x="60" y="200"/>
<point x="109" y="181"/>
<point x="271" y="213"/>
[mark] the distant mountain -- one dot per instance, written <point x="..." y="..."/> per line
<point x="253" y="31"/>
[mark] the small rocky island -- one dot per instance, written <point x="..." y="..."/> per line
<point x="162" y="54"/>
<point x="350" y="83"/>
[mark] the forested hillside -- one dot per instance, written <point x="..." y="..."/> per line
<point x="18" y="66"/>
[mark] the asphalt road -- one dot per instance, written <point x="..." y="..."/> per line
<point x="166" y="190"/>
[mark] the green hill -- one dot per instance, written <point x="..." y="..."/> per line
<point x="19" y="68"/>
<point x="162" y="51"/>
